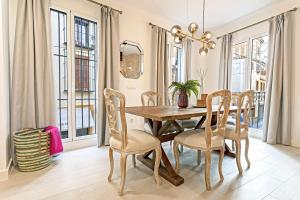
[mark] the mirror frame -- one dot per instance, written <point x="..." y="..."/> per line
<point x="135" y="44"/>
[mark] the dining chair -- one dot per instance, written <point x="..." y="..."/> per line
<point x="239" y="131"/>
<point x="126" y="142"/>
<point x="207" y="139"/>
<point x="151" y="98"/>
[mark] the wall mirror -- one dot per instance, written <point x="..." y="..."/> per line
<point x="132" y="60"/>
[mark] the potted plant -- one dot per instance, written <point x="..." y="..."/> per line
<point x="185" y="90"/>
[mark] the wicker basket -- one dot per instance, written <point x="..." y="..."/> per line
<point x="32" y="149"/>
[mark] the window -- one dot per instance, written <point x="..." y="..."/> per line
<point x="85" y="76"/>
<point x="259" y="61"/>
<point x="60" y="63"/>
<point x="249" y="69"/>
<point x="75" y="61"/>
<point x="176" y="68"/>
<point x="249" y="65"/>
<point x="84" y="55"/>
<point x="239" y="64"/>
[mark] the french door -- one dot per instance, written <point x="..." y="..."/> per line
<point x="75" y="63"/>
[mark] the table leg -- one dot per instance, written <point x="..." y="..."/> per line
<point x="166" y="170"/>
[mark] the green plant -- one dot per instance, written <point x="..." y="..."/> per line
<point x="190" y="86"/>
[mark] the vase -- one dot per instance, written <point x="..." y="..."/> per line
<point x="183" y="99"/>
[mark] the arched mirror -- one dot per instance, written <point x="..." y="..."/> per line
<point x="132" y="58"/>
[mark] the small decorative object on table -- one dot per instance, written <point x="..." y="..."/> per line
<point x="185" y="90"/>
<point x="201" y="103"/>
<point x="202" y="75"/>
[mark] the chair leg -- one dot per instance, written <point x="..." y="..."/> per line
<point x="133" y="160"/>
<point x="238" y="156"/>
<point x="221" y="157"/>
<point x="246" y="152"/>
<point x="156" y="165"/>
<point x="207" y="169"/>
<point x="111" y="160"/>
<point x="198" y="157"/>
<point x="123" y="172"/>
<point x="176" y="155"/>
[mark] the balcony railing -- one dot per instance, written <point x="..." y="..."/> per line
<point x="256" y="120"/>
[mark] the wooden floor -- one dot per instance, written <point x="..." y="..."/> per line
<point x="82" y="174"/>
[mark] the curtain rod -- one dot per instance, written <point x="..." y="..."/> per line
<point x="100" y="4"/>
<point x="159" y="27"/>
<point x="292" y="10"/>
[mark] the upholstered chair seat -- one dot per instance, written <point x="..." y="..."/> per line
<point x="230" y="132"/>
<point x="136" y="141"/>
<point x="196" y="139"/>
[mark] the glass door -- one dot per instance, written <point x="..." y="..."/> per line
<point x="84" y="71"/>
<point x="75" y="61"/>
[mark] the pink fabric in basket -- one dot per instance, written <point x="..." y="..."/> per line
<point x="55" y="141"/>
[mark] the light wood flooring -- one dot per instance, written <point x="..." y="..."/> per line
<point x="82" y="174"/>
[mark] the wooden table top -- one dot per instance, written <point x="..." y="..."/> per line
<point x="164" y="113"/>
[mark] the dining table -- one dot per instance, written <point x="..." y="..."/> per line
<point x="164" y="124"/>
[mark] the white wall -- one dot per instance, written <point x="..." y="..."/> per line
<point x="4" y="91"/>
<point x="212" y="60"/>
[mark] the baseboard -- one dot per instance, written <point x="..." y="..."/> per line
<point x="5" y="172"/>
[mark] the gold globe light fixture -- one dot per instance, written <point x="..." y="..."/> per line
<point x="205" y="38"/>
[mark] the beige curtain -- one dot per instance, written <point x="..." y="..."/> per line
<point x="108" y="73"/>
<point x="187" y="48"/>
<point x="32" y="92"/>
<point x="277" y="114"/>
<point x="159" y="62"/>
<point x="225" y="62"/>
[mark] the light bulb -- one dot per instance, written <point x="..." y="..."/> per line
<point x="175" y="30"/>
<point x="211" y="44"/>
<point x="193" y="27"/>
<point x="203" y="51"/>
<point x="177" y="39"/>
<point x="207" y="35"/>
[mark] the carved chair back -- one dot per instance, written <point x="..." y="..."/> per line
<point x="151" y="98"/>
<point x="223" y="97"/>
<point x="115" y="109"/>
<point x="244" y="106"/>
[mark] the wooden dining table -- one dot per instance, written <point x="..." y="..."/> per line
<point x="163" y="121"/>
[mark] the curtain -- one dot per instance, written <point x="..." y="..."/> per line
<point x="277" y="114"/>
<point x="160" y="62"/>
<point x="32" y="92"/>
<point x="225" y="62"/>
<point x="108" y="73"/>
<point x="187" y="48"/>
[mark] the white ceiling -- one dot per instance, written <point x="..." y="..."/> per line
<point x="218" y="12"/>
